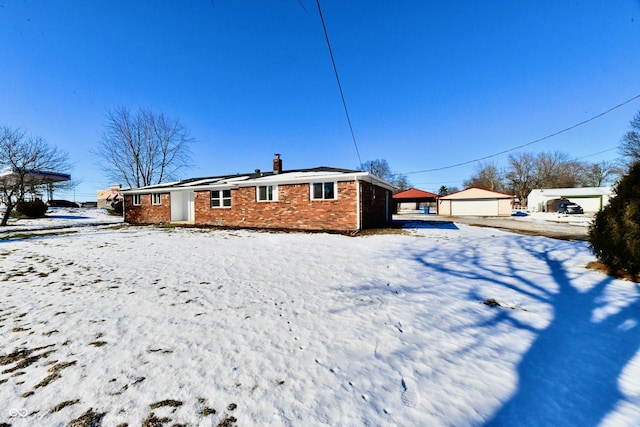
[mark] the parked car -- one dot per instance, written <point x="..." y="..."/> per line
<point x="569" y="208"/>
<point x="62" y="204"/>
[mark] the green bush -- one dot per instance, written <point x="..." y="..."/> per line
<point x="32" y="209"/>
<point x="614" y="235"/>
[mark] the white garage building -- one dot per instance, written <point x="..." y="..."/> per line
<point x="475" y="202"/>
<point x="592" y="199"/>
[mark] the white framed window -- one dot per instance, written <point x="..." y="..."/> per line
<point x="323" y="191"/>
<point x="267" y="193"/>
<point x="137" y="200"/>
<point x="221" y="198"/>
<point x="156" y="199"/>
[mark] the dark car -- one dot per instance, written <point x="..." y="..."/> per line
<point x="62" y="204"/>
<point x="569" y="208"/>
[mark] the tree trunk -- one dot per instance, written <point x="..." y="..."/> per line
<point x="7" y="214"/>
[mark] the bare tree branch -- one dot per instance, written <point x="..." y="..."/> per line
<point x="26" y="163"/>
<point x="143" y="148"/>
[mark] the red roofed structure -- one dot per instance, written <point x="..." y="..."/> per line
<point x="414" y="199"/>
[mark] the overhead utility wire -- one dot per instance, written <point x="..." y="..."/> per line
<point x="529" y="143"/>
<point x="335" y="70"/>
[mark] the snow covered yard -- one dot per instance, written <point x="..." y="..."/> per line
<point x="134" y="326"/>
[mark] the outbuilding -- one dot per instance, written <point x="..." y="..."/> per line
<point x="413" y="199"/>
<point x="592" y="199"/>
<point x="475" y="201"/>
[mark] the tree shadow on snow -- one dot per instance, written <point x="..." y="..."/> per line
<point x="570" y="374"/>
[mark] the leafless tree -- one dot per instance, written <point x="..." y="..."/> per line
<point x="487" y="176"/>
<point x="381" y="169"/>
<point x="630" y="144"/>
<point x="555" y="170"/>
<point x="598" y="174"/>
<point x="143" y="148"/>
<point x="522" y="175"/>
<point x="26" y="163"/>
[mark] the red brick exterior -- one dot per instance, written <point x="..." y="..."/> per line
<point x="294" y="209"/>
<point x="376" y="205"/>
<point x="147" y="213"/>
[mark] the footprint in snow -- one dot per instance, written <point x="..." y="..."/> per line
<point x="409" y="396"/>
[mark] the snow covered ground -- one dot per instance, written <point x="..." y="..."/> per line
<point x="134" y="326"/>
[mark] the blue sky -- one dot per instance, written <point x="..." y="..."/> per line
<point x="428" y="84"/>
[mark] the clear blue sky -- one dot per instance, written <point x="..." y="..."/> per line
<point x="427" y="83"/>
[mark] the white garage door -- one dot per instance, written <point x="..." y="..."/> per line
<point x="475" y="207"/>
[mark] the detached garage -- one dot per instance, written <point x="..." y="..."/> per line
<point x="475" y="202"/>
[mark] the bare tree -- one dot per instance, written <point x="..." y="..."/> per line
<point x="381" y="169"/>
<point x="487" y="176"/>
<point x="598" y="174"/>
<point x="630" y="144"/>
<point x="143" y="148"/>
<point x="26" y="163"/>
<point x="522" y="176"/>
<point x="554" y="170"/>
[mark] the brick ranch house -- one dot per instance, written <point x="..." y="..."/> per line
<point x="317" y="199"/>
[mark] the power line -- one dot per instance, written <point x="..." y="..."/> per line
<point x="595" y="154"/>
<point x="531" y="142"/>
<point x="335" y="70"/>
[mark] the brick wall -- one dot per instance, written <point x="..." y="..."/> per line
<point x="293" y="210"/>
<point x="147" y="213"/>
<point x="375" y="205"/>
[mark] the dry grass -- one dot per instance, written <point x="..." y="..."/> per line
<point x="63" y="405"/>
<point x="599" y="266"/>
<point x="88" y="419"/>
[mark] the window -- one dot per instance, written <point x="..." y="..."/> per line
<point x="323" y="191"/>
<point x="221" y="198"/>
<point x="267" y="193"/>
<point x="137" y="200"/>
<point x="156" y="199"/>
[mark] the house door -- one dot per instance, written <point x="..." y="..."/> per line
<point x="182" y="206"/>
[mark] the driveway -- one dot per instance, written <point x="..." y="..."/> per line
<point x="557" y="226"/>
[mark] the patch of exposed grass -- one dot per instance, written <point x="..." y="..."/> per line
<point x="603" y="268"/>
<point x="24" y="236"/>
<point x="88" y="419"/>
<point x="23" y="357"/>
<point x="169" y="402"/>
<point x="160" y="350"/>
<point x="153" y="421"/>
<point x="206" y="411"/>
<point x="61" y="406"/>
<point x="228" y="422"/>
<point x="55" y="373"/>
<point x="383" y="231"/>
